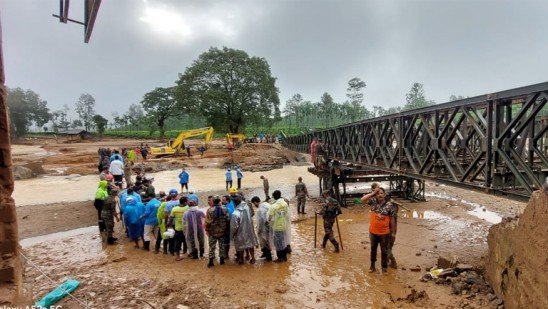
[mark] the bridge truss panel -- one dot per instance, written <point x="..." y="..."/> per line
<point x="496" y="142"/>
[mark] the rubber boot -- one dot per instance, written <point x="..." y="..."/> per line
<point x="280" y="258"/>
<point x="324" y="242"/>
<point x="252" y="254"/>
<point x="288" y="250"/>
<point x="226" y="249"/>
<point x="221" y="260"/>
<point x="372" y="268"/>
<point x="111" y="241"/>
<point x="393" y="262"/>
<point x="201" y="252"/>
<point x="146" y="245"/>
<point x="336" y="245"/>
<point x="210" y="264"/>
<point x="194" y="254"/>
<point x="268" y="255"/>
<point x="240" y="257"/>
<point x="263" y="255"/>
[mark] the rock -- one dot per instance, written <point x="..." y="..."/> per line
<point x="180" y="306"/>
<point x="458" y="287"/>
<point x="498" y="302"/>
<point x="491" y="296"/>
<point x="444" y="262"/>
<point x="418" y="254"/>
<point x="35" y="167"/>
<point x="463" y="267"/>
<point x="21" y="172"/>
<point x="119" y="259"/>
<point x="415" y="296"/>
<point x="416" y="268"/>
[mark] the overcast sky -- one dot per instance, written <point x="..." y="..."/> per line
<point x="452" y="47"/>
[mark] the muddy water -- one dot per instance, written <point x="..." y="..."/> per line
<point x="477" y="210"/>
<point x="313" y="277"/>
<point x="51" y="189"/>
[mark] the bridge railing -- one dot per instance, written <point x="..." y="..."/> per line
<point x="497" y="142"/>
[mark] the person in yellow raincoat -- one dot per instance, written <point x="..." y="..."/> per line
<point x="161" y="224"/>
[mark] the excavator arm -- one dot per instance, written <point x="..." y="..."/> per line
<point x="178" y="143"/>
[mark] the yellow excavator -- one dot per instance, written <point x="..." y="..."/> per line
<point x="234" y="139"/>
<point x="177" y="146"/>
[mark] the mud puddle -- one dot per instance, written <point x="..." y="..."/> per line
<point x="313" y="277"/>
<point x="477" y="210"/>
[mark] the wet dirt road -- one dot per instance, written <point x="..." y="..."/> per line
<point x="121" y="276"/>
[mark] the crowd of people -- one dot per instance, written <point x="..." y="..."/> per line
<point x="179" y="226"/>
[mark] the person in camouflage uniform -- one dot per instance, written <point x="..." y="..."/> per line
<point x="330" y="210"/>
<point x="109" y="213"/>
<point x="301" y="193"/>
<point x="216" y="225"/>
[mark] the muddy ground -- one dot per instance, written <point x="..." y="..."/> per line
<point x="453" y="223"/>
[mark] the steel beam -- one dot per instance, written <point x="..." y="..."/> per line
<point x="494" y="143"/>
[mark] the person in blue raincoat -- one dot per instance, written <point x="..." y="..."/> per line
<point x="239" y="175"/>
<point x="184" y="177"/>
<point x="116" y="156"/>
<point x="228" y="177"/>
<point x="132" y="219"/>
<point x="151" y="221"/>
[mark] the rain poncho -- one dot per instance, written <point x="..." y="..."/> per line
<point x="123" y="198"/>
<point x="264" y="232"/>
<point x="194" y="230"/>
<point x="131" y="155"/>
<point x="101" y="193"/>
<point x="184" y="177"/>
<point x="230" y="208"/>
<point x="241" y="228"/>
<point x="280" y="222"/>
<point x="151" y="211"/>
<point x="116" y="156"/>
<point x="131" y="219"/>
<point x="160" y="215"/>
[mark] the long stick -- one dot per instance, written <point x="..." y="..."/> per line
<point x="339" y="230"/>
<point x="315" y="227"/>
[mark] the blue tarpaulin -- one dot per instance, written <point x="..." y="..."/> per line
<point x="57" y="294"/>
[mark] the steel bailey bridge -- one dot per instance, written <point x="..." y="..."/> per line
<point x="495" y="143"/>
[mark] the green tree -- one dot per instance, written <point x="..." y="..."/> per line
<point x="100" y="123"/>
<point x="230" y="89"/>
<point x="355" y="95"/>
<point x="160" y="105"/>
<point x="135" y="116"/>
<point x="328" y="108"/>
<point x="415" y="98"/>
<point x="85" y="109"/>
<point x="25" y="108"/>
<point x="76" y="123"/>
<point x="292" y="107"/>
